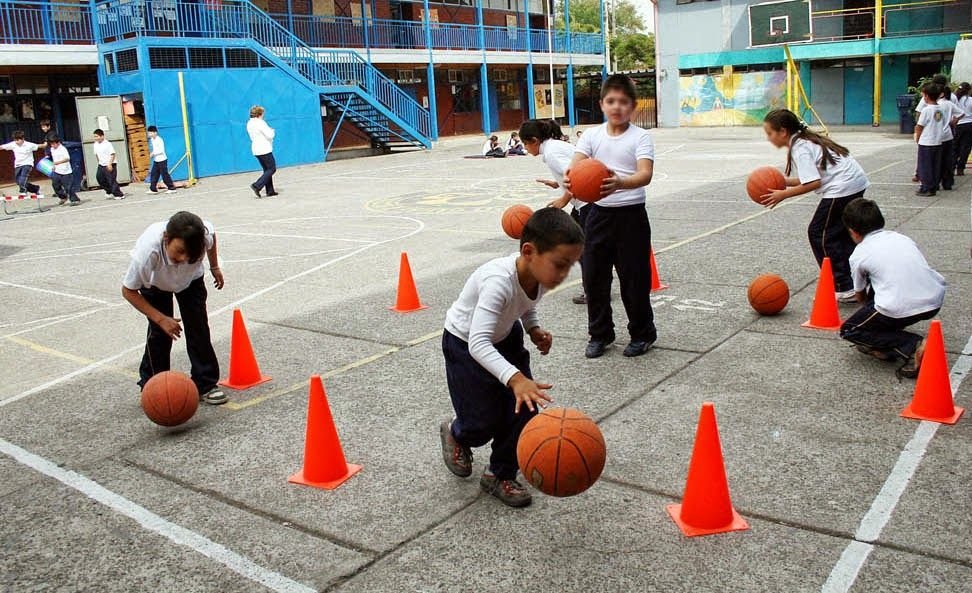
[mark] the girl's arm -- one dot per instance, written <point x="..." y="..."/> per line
<point x="792" y="181"/>
<point x="214" y="265"/>
<point x="772" y="199"/>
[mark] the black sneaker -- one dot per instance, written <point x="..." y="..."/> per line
<point x="456" y="457"/>
<point x="256" y="191"/>
<point x="510" y="492"/>
<point x="596" y="348"/>
<point x="924" y="194"/>
<point x="637" y="348"/>
<point x="580" y="299"/>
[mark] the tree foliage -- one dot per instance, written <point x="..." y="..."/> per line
<point x="632" y="48"/>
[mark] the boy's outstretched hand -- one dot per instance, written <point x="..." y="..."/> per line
<point x="549" y="183"/>
<point x="542" y="339"/>
<point x="528" y="392"/>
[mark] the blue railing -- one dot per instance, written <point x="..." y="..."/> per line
<point x="45" y="22"/>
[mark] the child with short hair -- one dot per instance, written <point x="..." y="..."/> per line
<point x="107" y="174"/>
<point x="49" y="133"/>
<point x="617" y="227"/>
<point x="62" y="177"/>
<point x="827" y="168"/>
<point x="896" y="286"/>
<point x="492" y="148"/>
<point x="168" y="260"/>
<point x="487" y="368"/>
<point x="160" y="163"/>
<point x="23" y="161"/>
<point x="514" y="145"/>
<point x="928" y="134"/>
<point x="963" y="127"/>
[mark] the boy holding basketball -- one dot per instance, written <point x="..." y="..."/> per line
<point x="617" y="227"/>
<point x="167" y="261"/>
<point x="487" y="367"/>
<point x="896" y="286"/>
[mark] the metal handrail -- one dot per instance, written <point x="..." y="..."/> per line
<point x="45" y="22"/>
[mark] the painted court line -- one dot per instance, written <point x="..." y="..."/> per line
<point x="175" y="533"/>
<point x="852" y="560"/>
<point x="276" y="236"/>
<point x="56" y="293"/>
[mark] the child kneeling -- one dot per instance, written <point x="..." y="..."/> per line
<point x="896" y="286"/>
<point x="487" y="367"/>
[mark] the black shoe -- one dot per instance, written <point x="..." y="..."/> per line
<point x="596" y="348"/>
<point x="456" y="457"/>
<point x="960" y="172"/>
<point x="924" y="194"/>
<point x="256" y="191"/>
<point x="949" y="188"/>
<point x="270" y="195"/>
<point x="636" y="348"/>
<point x="510" y="492"/>
<point x="580" y="299"/>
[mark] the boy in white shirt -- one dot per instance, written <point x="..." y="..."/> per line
<point x="487" y="367"/>
<point x="107" y="173"/>
<point x="62" y="178"/>
<point x="963" y="128"/>
<point x="896" y="286"/>
<point x="492" y="148"/>
<point x="617" y="227"/>
<point x="168" y="260"/>
<point x="928" y="134"/>
<point x="160" y="163"/>
<point x="261" y="145"/>
<point x="23" y="161"/>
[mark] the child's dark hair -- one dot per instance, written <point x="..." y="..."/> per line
<point x="932" y="89"/>
<point x="45" y="122"/>
<point x="863" y="216"/>
<point x="963" y="90"/>
<point x="54" y="138"/>
<point x="784" y="119"/>
<point x="99" y="132"/>
<point x="540" y="130"/>
<point x="18" y="135"/>
<point x="550" y="227"/>
<point x="152" y="129"/>
<point x="619" y="82"/>
<point x="190" y="228"/>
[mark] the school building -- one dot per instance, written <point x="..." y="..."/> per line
<point x="366" y="76"/>
<point x="723" y="63"/>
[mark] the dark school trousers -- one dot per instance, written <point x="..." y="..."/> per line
<point x="108" y="180"/>
<point x="946" y="166"/>
<point x="22" y="174"/>
<point x="160" y="169"/>
<point x="195" y="321"/>
<point x="580" y="217"/>
<point x="63" y="185"/>
<point x="829" y="238"/>
<point x="618" y="238"/>
<point x="929" y="167"/>
<point x="869" y="328"/>
<point x="963" y="145"/>
<point x="483" y="405"/>
<point x="269" y="166"/>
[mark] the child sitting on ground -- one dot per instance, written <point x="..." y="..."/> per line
<point x="492" y="148"/>
<point x="514" y="145"/>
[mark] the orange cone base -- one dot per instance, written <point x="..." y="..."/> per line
<point x="241" y="386"/>
<point x="299" y="478"/>
<point x="737" y="524"/>
<point x="397" y="310"/>
<point x="659" y="287"/>
<point x="908" y="413"/>
<point x="807" y="324"/>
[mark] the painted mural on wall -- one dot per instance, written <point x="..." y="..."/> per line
<point x="737" y="99"/>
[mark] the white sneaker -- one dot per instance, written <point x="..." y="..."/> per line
<point x="151" y="191"/>
<point x="121" y="197"/>
<point x="214" y="397"/>
<point x="170" y="191"/>
<point x="848" y="296"/>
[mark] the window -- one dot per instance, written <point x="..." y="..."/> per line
<point x="168" y="58"/>
<point x="205" y="57"/>
<point x="465" y="98"/>
<point x="508" y="95"/>
<point x="109" y="64"/>
<point x="241" y="58"/>
<point x="127" y="60"/>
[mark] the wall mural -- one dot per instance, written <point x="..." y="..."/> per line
<point x="739" y="99"/>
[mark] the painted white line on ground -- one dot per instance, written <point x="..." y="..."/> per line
<point x="288" y="256"/>
<point x="276" y="236"/>
<point x="61" y="319"/>
<point x="58" y="255"/>
<point x="55" y="292"/>
<point x="845" y="572"/>
<point x="175" y="533"/>
<point x="60" y="249"/>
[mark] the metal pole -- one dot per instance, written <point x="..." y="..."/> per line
<point x="570" y="66"/>
<point x="483" y="74"/>
<point x="878" y="34"/>
<point x="430" y="74"/>
<point x="548" y="10"/>
<point x="531" y="99"/>
<point x="364" y="28"/>
<point x="185" y="128"/>
<point x="606" y="38"/>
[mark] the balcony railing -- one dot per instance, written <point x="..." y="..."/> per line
<point x="45" y="22"/>
<point x="923" y="17"/>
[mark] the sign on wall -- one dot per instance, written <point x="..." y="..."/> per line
<point x="549" y="107"/>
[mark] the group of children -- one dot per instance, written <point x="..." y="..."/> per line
<point x="515" y="145"/>
<point x="943" y="131"/>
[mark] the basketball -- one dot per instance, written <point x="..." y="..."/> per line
<point x="170" y="398"/>
<point x="45" y="166"/>
<point x="514" y="219"/>
<point x="762" y="181"/>
<point x="768" y="294"/>
<point x="586" y="178"/>
<point x="561" y="452"/>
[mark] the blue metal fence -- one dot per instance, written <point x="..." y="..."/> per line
<point x="45" y="22"/>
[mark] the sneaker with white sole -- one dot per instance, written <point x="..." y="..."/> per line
<point x="847" y="296"/>
<point x="214" y="397"/>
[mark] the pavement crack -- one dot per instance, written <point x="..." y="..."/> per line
<point x="328" y="333"/>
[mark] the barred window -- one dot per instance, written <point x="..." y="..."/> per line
<point x="127" y="60"/>
<point x="205" y="57"/>
<point x="171" y="58"/>
<point x="241" y="58"/>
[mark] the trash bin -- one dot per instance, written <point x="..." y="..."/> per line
<point x="77" y="164"/>
<point x="906" y="109"/>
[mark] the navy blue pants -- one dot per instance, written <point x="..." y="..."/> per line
<point x="22" y="173"/>
<point x="829" y="238"/>
<point x="269" y="165"/>
<point x="929" y="167"/>
<point x="483" y="405"/>
<point x="947" y="165"/>
<point x="108" y="180"/>
<point x="869" y="328"/>
<point x="160" y="169"/>
<point x="618" y="238"/>
<point x="963" y="146"/>
<point x="63" y="186"/>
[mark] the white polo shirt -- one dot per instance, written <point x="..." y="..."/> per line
<point x="261" y="136"/>
<point x="965" y="106"/>
<point x="150" y="267"/>
<point x="903" y="282"/>
<point x="843" y="178"/>
<point x="950" y="111"/>
<point x="23" y="153"/>
<point x="930" y="119"/>
<point x="619" y="154"/>
<point x="103" y="151"/>
<point x="59" y="154"/>
<point x="158" y="149"/>
<point x="557" y="154"/>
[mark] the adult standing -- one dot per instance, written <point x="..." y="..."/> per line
<point x="261" y="143"/>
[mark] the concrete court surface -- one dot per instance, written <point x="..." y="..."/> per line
<point x="94" y="497"/>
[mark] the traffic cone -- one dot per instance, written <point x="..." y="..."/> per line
<point x="706" y="507"/>
<point x="825" y="314"/>
<point x="324" y="464"/>
<point x="408" y="298"/>
<point x="933" y="390"/>
<point x="244" y="372"/>
<point x="656" y="283"/>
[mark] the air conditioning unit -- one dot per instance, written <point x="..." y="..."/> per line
<point x="501" y="75"/>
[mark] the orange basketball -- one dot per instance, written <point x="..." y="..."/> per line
<point x="762" y="181"/>
<point x="561" y="452"/>
<point x="586" y="178"/>
<point x="768" y="294"/>
<point x="170" y="398"/>
<point x="514" y="219"/>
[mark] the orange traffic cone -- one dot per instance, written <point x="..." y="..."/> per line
<point x="656" y="283"/>
<point x="324" y="464"/>
<point x="706" y="507"/>
<point x="408" y="298"/>
<point x="244" y="372"/>
<point x="825" y="314"/>
<point x="933" y="390"/>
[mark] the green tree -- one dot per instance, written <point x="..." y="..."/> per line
<point x="633" y="51"/>
<point x="632" y="48"/>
